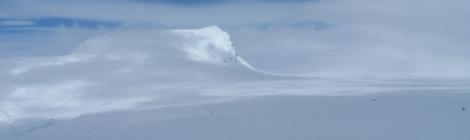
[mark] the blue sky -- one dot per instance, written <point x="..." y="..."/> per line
<point x="54" y="22"/>
<point x="29" y="19"/>
<point x="16" y="26"/>
<point x="206" y="2"/>
<point x="31" y="36"/>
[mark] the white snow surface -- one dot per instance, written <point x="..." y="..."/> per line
<point x="118" y="70"/>
<point x="141" y="71"/>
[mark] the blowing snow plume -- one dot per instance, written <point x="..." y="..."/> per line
<point x="119" y="70"/>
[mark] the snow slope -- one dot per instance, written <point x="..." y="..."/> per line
<point x="129" y="71"/>
<point x="119" y="70"/>
<point x="404" y="115"/>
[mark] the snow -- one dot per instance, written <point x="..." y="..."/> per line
<point x="119" y="70"/>
<point x="212" y="45"/>
<point x="403" y="115"/>
<point x="192" y="84"/>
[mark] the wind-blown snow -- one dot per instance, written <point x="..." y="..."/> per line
<point x="119" y="70"/>
<point x="136" y="68"/>
<point x="210" y="45"/>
